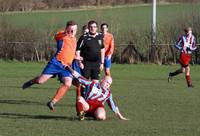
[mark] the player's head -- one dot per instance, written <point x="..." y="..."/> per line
<point x="85" y="29"/>
<point x="104" y="27"/>
<point x="106" y="81"/>
<point x="92" y="26"/>
<point x="71" y="28"/>
<point x="188" y="31"/>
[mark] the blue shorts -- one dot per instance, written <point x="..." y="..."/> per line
<point x="107" y="62"/>
<point x="55" y="67"/>
<point x="75" y="66"/>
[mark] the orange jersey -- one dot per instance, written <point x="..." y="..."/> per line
<point x="66" y="47"/>
<point x="108" y="44"/>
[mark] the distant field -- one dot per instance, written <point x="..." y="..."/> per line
<point x="155" y="107"/>
<point x="121" y="19"/>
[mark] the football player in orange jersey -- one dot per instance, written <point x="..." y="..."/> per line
<point x="66" y="47"/>
<point x="109" y="47"/>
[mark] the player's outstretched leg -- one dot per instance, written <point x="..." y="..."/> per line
<point x="37" y="80"/>
<point x="27" y="84"/>
<point x="172" y="74"/>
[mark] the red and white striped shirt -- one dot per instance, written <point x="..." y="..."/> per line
<point x="186" y="44"/>
<point x="94" y="92"/>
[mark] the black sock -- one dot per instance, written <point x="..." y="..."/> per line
<point x="175" y="73"/>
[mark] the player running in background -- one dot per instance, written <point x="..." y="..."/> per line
<point x="186" y="44"/>
<point x="109" y="47"/>
<point x="96" y="95"/>
<point x="66" y="47"/>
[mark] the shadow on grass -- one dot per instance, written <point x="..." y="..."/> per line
<point x="40" y="117"/>
<point x="35" y="87"/>
<point x="25" y="102"/>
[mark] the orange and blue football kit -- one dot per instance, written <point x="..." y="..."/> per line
<point x="109" y="48"/>
<point x="66" y="47"/>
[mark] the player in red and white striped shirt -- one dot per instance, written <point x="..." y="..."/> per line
<point x="186" y="44"/>
<point x="95" y="96"/>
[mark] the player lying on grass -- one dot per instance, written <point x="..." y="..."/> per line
<point x="95" y="96"/>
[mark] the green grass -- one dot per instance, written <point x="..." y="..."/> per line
<point x="155" y="107"/>
<point x="121" y="19"/>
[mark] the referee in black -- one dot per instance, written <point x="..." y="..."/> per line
<point x="90" y="46"/>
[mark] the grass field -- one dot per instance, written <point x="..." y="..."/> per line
<point x="155" y="107"/>
<point x="121" y="19"/>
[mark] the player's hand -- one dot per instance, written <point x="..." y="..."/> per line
<point x="79" y="58"/>
<point x="120" y="115"/>
<point x="75" y="74"/>
<point x="109" y="56"/>
<point x="188" y="50"/>
<point x="101" y="67"/>
<point x="123" y="118"/>
<point x="81" y="65"/>
<point x="185" y="49"/>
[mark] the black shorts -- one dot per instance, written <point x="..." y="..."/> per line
<point x="91" y="70"/>
<point x="91" y="73"/>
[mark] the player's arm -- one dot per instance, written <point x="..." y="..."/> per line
<point x="80" y="78"/>
<point x="80" y="44"/>
<point x="194" y="46"/>
<point x="102" y="58"/>
<point x="112" y="46"/>
<point x="79" y="58"/>
<point x="114" y="108"/>
<point x="102" y="55"/>
<point x="179" y="44"/>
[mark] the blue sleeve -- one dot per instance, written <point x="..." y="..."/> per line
<point x="111" y="104"/>
<point x="178" y="44"/>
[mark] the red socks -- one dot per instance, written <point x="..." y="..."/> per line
<point x="189" y="82"/>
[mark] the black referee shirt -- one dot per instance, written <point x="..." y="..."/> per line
<point x="90" y="48"/>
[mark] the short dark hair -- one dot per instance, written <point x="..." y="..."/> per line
<point x="92" y="22"/>
<point x="70" y="23"/>
<point x="188" y="29"/>
<point x="84" y="27"/>
<point x="104" y="24"/>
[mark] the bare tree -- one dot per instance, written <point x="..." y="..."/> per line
<point x="8" y="5"/>
<point x="5" y="5"/>
<point x="26" y="5"/>
<point x="40" y="4"/>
